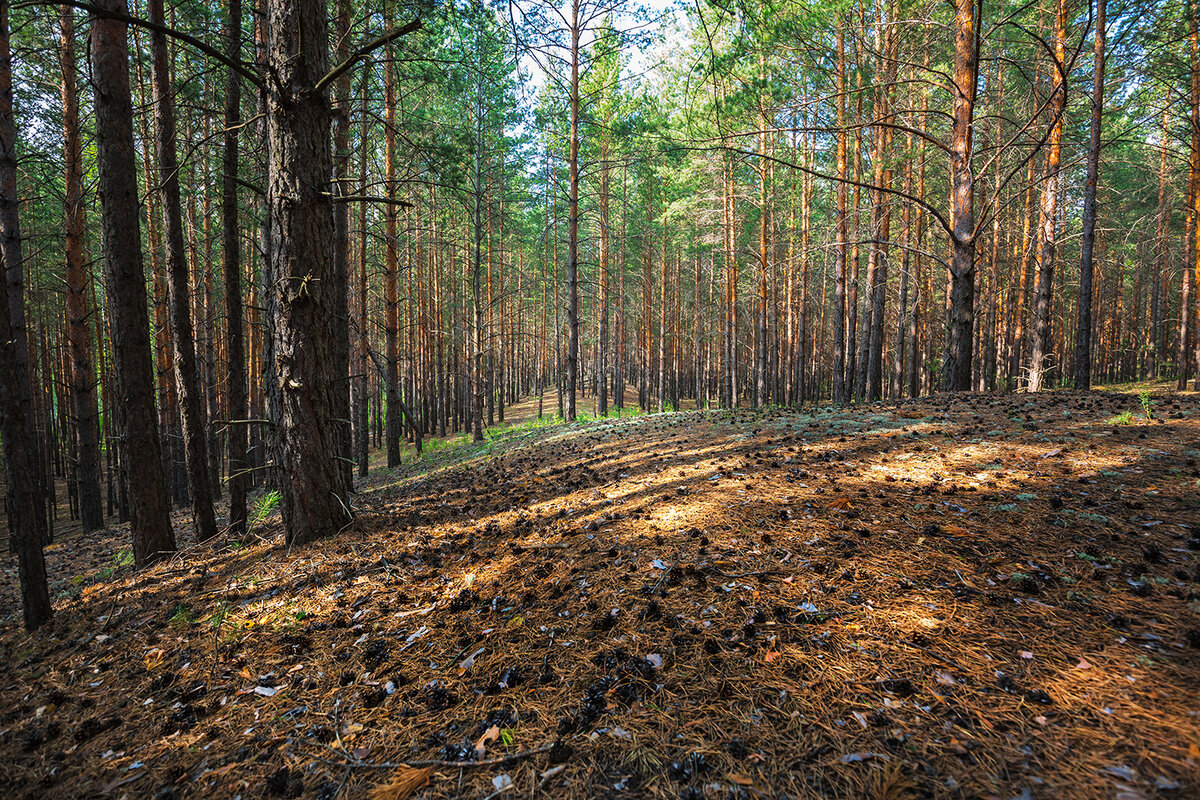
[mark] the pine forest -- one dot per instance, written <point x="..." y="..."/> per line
<point x="600" y="398"/>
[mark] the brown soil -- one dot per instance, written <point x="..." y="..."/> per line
<point x="985" y="596"/>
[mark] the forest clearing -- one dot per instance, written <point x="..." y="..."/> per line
<point x="593" y="398"/>
<point x="977" y="596"/>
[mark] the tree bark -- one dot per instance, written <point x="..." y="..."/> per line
<point x="235" y="347"/>
<point x="153" y="537"/>
<point x="1083" y="325"/>
<point x="391" y="297"/>
<point x="1193" y="244"/>
<point x="604" y="246"/>
<point x="341" y="247"/>
<point x="83" y="379"/>
<point x="1040" y="347"/>
<point x="187" y="383"/>
<point x="26" y="521"/>
<point x="301" y="292"/>
<point x="573" y="221"/>
<point x="842" y="223"/>
<point x="957" y="374"/>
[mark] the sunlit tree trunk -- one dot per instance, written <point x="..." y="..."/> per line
<point x="957" y="374"/>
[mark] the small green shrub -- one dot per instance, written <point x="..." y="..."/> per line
<point x="1147" y="406"/>
<point x="263" y="508"/>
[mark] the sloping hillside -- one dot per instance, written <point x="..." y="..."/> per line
<point x="990" y="596"/>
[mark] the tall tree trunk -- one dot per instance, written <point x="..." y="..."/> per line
<point x="150" y="515"/>
<point x="1193" y="244"/>
<point x="764" y="224"/>
<point x="843" y="230"/>
<point x="83" y="380"/>
<point x="235" y="346"/>
<point x="604" y="247"/>
<point x="1161" y="257"/>
<point x="957" y="375"/>
<point x="1040" y="347"/>
<point x="476" y="358"/>
<point x="1083" y="325"/>
<point x="391" y="297"/>
<point x="301" y="291"/>
<point x="882" y="213"/>
<point x="573" y="220"/>
<point x="178" y="287"/>
<point x="23" y="507"/>
<point x="362" y="427"/>
<point x="341" y="246"/>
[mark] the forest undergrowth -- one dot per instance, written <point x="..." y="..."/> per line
<point x="979" y="596"/>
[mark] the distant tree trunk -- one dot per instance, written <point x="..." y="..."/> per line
<point x="301" y="292"/>
<point x="873" y="389"/>
<point x="83" y="380"/>
<point x="764" y="239"/>
<point x="1161" y="257"/>
<point x="1040" y="349"/>
<point x="1083" y="325"/>
<point x="26" y="521"/>
<point x="1029" y="240"/>
<point x="362" y="428"/>
<point x="843" y="231"/>
<point x="476" y="358"/>
<point x="896" y="388"/>
<point x="731" y="289"/>
<point x="882" y="215"/>
<point x="957" y="375"/>
<point x="129" y="319"/>
<point x="235" y="347"/>
<point x="178" y="287"/>
<point x="391" y="296"/>
<point x="573" y="220"/>
<point x="604" y="247"/>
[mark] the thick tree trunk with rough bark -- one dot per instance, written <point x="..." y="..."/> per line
<point x="301" y="292"/>
<point x="1192" y="257"/>
<point x="341" y="246"/>
<point x="129" y="320"/>
<point x="26" y="521"/>
<point x="957" y="376"/>
<point x="195" y="443"/>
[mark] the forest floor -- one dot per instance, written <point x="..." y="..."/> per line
<point x="983" y="596"/>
